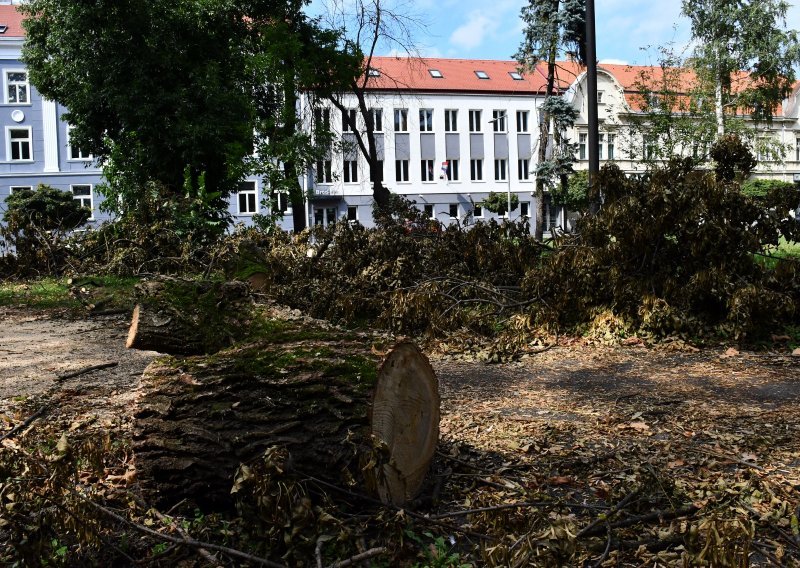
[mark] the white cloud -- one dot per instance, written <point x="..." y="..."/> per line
<point x="473" y="33"/>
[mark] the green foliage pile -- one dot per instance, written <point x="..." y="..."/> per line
<point x="763" y="190"/>
<point x="36" y="224"/>
<point x="407" y="277"/>
<point x="675" y="252"/>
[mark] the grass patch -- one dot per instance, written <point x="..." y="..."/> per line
<point x="51" y="293"/>
<point x="785" y="250"/>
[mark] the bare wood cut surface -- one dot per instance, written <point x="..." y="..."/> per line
<point x="405" y="417"/>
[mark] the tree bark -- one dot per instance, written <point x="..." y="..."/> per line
<point x="340" y="415"/>
<point x="185" y="317"/>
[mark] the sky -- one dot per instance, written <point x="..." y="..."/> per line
<point x="628" y="31"/>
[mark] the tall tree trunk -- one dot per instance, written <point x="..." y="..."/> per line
<point x="291" y="174"/>
<point x="718" y="108"/>
<point x="544" y="137"/>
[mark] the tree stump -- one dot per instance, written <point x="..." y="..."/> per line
<point x="341" y="414"/>
<point x="186" y="317"/>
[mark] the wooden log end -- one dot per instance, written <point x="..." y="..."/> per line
<point x="405" y="420"/>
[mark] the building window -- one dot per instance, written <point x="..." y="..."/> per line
<point x="17" y="88"/>
<point x="522" y="121"/>
<point x="452" y="170"/>
<point x="83" y="195"/>
<point x="279" y="201"/>
<point x="322" y="119"/>
<point x="19" y="145"/>
<point x="325" y="216"/>
<point x="377" y="119"/>
<point x="600" y="139"/>
<point x="352" y="213"/>
<point x="371" y="72"/>
<point x="348" y="120"/>
<point x="426" y="169"/>
<point x="522" y="169"/>
<point x="379" y="166"/>
<point x="401" y="170"/>
<point x="525" y="209"/>
<point x="454" y="210"/>
<point x="477" y="212"/>
<point x="15" y="188"/>
<point x="401" y="120"/>
<point x="428" y="208"/>
<point x="499" y="120"/>
<point x="500" y="170"/>
<point x="481" y="74"/>
<point x="75" y="152"/>
<point x="649" y="146"/>
<point x="582" y="137"/>
<point x="324" y="171"/>
<point x="350" y="171"/>
<point x="476" y="170"/>
<point x="451" y="120"/>
<point x="610" y="146"/>
<point x="248" y="198"/>
<point x="426" y="120"/>
<point x="797" y="149"/>
<point x="515" y="75"/>
<point x="474" y="121"/>
<point x="435" y="73"/>
<point x="600" y="100"/>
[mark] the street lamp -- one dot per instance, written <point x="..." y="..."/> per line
<point x="508" y="168"/>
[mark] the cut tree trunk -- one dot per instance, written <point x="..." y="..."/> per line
<point x="185" y="317"/>
<point x="342" y="416"/>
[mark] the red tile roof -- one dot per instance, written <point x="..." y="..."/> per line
<point x="458" y="75"/>
<point x="12" y="19"/>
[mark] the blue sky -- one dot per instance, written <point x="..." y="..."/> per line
<point x="481" y="29"/>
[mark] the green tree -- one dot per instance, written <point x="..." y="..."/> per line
<point x="156" y="89"/>
<point x="744" y="57"/>
<point x="552" y="27"/>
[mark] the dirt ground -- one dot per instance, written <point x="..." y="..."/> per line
<point x="578" y="423"/>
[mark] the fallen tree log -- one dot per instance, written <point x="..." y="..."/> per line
<point x="342" y="414"/>
<point x="187" y="317"/>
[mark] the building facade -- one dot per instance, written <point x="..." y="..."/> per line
<point x="449" y="132"/>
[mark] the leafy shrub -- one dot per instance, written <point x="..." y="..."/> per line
<point x="575" y="197"/>
<point x="36" y="226"/>
<point x="760" y="190"/>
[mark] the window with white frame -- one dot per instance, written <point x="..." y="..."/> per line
<point x="17" y="87"/>
<point x="610" y="146"/>
<point x="82" y="193"/>
<point x="325" y="215"/>
<point x="19" y="145"/>
<point x="348" y="119"/>
<point x="474" y="121"/>
<point x="649" y="146"/>
<point x="499" y="120"/>
<point x="454" y="210"/>
<point x="322" y="119"/>
<point x="477" y="212"/>
<point x="476" y="169"/>
<point x="582" y="138"/>
<point x="797" y="149"/>
<point x="401" y="170"/>
<point x="452" y="170"/>
<point x="401" y="120"/>
<point x="426" y="170"/>
<point x="600" y="100"/>
<point x="279" y="201"/>
<point x="425" y="120"/>
<point x="75" y="152"/>
<point x="451" y="120"/>
<point x="377" y="119"/>
<point x="247" y="197"/>
<point x="350" y="171"/>
<point x="324" y="171"/>
<point x="352" y="213"/>
<point x="15" y="188"/>
<point x="600" y="141"/>
<point x="429" y="212"/>
<point x="522" y="121"/>
<point x="524" y="209"/>
<point x="500" y="169"/>
<point x="522" y="169"/>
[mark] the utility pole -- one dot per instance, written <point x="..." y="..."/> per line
<point x="591" y="102"/>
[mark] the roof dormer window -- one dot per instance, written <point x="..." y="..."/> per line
<point x="435" y="73"/>
<point x="3" y="29"/>
<point x="371" y="72"/>
<point x="482" y="74"/>
<point x="515" y="75"/>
